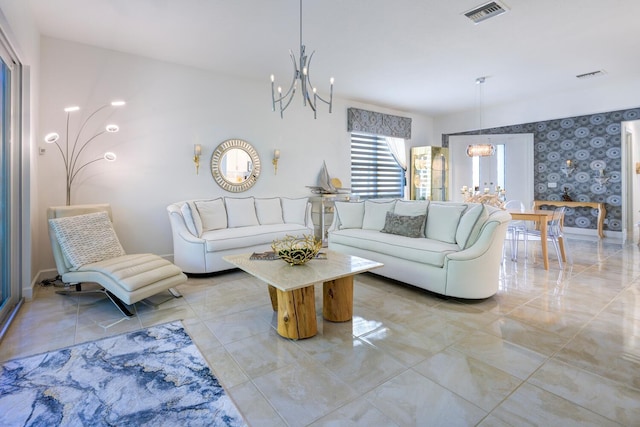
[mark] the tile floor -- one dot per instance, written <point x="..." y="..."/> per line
<point x="556" y="348"/>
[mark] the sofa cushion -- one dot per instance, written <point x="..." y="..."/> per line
<point x="468" y="222"/>
<point x="442" y="221"/>
<point x="269" y="211"/>
<point x="197" y="221"/>
<point x="241" y="212"/>
<point x="88" y="238"/>
<point x="375" y="214"/>
<point x="426" y="251"/>
<point x="294" y="211"/>
<point x="187" y="215"/>
<point x="246" y="237"/>
<point x="404" y="225"/>
<point x="212" y="214"/>
<point x="350" y="214"/>
<point x="477" y="227"/>
<point x="412" y="208"/>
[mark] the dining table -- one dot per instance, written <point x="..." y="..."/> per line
<point x="541" y="217"/>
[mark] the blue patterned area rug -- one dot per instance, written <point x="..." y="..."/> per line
<point x="153" y="376"/>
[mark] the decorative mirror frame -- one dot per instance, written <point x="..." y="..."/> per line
<point x="218" y="154"/>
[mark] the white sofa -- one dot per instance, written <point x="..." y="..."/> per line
<point x="206" y="230"/>
<point x="453" y="249"/>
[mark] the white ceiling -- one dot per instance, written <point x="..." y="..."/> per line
<point x="410" y="55"/>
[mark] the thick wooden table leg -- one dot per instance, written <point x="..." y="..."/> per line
<point x="337" y="299"/>
<point x="274" y="297"/>
<point x="297" y="313"/>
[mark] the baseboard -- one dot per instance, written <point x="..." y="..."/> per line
<point x="574" y="231"/>
<point x="27" y="292"/>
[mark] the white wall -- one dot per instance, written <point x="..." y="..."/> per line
<point x="598" y="96"/>
<point x="170" y="108"/>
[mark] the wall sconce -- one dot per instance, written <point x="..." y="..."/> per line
<point x="601" y="179"/>
<point x="276" y="156"/>
<point x="71" y="155"/>
<point x="197" y="150"/>
<point x="568" y="168"/>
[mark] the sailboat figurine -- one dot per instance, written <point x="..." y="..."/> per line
<point x="326" y="184"/>
<point x="324" y="180"/>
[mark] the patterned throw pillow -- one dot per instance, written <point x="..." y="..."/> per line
<point x="85" y="239"/>
<point x="409" y="226"/>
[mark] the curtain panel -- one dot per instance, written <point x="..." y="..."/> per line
<point x="378" y="123"/>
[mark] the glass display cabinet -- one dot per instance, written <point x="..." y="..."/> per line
<point x="429" y="173"/>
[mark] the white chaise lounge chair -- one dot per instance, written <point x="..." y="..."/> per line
<point x="86" y="249"/>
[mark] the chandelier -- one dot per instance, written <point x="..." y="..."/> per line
<point x="480" y="150"/>
<point x="301" y="72"/>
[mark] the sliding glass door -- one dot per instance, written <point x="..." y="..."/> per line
<point x="11" y="229"/>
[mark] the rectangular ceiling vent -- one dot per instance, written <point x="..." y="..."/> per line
<point x="486" y="11"/>
<point x="591" y="74"/>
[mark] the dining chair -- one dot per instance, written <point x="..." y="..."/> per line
<point x="555" y="232"/>
<point x="514" y="227"/>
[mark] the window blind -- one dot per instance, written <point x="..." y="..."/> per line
<point x="374" y="171"/>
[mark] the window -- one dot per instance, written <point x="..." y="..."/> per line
<point x="374" y="171"/>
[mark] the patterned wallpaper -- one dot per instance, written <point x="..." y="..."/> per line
<point x="592" y="143"/>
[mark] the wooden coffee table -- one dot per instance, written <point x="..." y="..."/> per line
<point x="291" y="288"/>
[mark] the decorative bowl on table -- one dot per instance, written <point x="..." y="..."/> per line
<point x="297" y="250"/>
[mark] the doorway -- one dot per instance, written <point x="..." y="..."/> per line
<point x="511" y="167"/>
<point x="630" y="141"/>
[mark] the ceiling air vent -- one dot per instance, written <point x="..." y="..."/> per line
<point x="591" y="74"/>
<point x="486" y="11"/>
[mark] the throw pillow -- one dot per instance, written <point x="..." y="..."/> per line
<point x="375" y="214"/>
<point x="350" y="214"/>
<point x="442" y="221"/>
<point x="294" y="211"/>
<point x="269" y="211"/>
<point x="404" y="225"/>
<point x="412" y="208"/>
<point x="212" y="213"/>
<point x="241" y="212"/>
<point x="85" y="239"/>
<point x="185" y="209"/>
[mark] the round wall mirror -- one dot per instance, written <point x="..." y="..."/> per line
<point x="235" y="165"/>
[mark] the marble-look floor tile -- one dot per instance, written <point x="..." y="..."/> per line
<point x="605" y="397"/>
<point x="474" y="380"/>
<point x="522" y="334"/>
<point x="264" y="353"/>
<point x="241" y="325"/>
<point x="533" y="406"/>
<point x="358" y="413"/>
<point x="360" y="364"/>
<point x="515" y="360"/>
<point x="256" y="409"/>
<point x="303" y="392"/>
<point x="566" y="340"/>
<point x="606" y="353"/>
<point x="413" y="400"/>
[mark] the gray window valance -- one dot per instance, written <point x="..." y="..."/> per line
<point x="378" y="123"/>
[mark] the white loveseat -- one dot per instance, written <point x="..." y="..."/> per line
<point x="206" y="230"/>
<point x="453" y="249"/>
